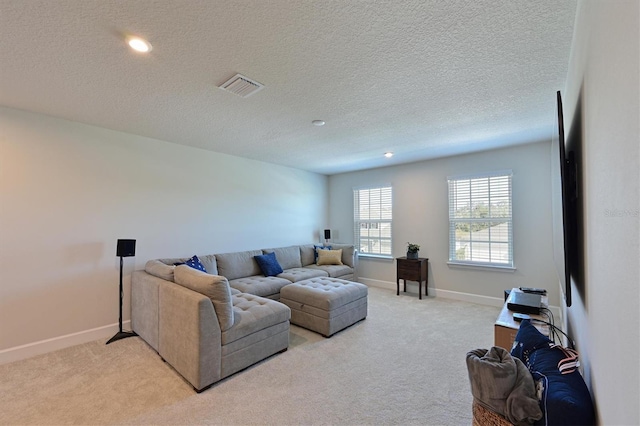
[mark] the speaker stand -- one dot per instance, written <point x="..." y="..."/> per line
<point x="121" y="334"/>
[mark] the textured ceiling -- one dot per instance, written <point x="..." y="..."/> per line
<point x="421" y="78"/>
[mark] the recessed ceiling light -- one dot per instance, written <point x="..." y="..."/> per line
<point x="388" y="154"/>
<point x="318" y="123"/>
<point x="139" y="44"/>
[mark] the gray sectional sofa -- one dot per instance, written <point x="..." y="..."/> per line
<point x="209" y="325"/>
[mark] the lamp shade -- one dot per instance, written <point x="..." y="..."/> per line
<point x="126" y="248"/>
<point x="327" y="234"/>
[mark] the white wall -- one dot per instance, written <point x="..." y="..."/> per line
<point x="604" y="66"/>
<point x="69" y="191"/>
<point x="420" y="209"/>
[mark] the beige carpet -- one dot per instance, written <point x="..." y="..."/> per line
<point x="405" y="364"/>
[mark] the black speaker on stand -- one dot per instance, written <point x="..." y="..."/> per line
<point x="327" y="236"/>
<point x="125" y="248"/>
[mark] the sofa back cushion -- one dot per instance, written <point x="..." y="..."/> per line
<point x="307" y="254"/>
<point x="159" y="269"/>
<point x="238" y="265"/>
<point x="208" y="261"/>
<point x="288" y="257"/>
<point x="215" y="287"/>
<point x="347" y="253"/>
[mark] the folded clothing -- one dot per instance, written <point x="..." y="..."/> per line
<point x="502" y="383"/>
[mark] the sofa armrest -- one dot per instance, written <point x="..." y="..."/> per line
<point x="189" y="334"/>
<point x="144" y="306"/>
<point x="355" y="265"/>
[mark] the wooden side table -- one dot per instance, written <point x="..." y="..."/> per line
<point x="412" y="270"/>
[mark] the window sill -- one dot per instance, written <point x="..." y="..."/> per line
<point x="494" y="268"/>
<point x="376" y="256"/>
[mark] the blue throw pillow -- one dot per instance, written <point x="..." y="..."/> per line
<point x="315" y="251"/>
<point x="527" y="340"/>
<point x="195" y="263"/>
<point x="565" y="397"/>
<point x="268" y="264"/>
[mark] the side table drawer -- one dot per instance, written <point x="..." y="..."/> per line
<point x="411" y="272"/>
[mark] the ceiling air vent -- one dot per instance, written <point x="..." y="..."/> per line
<point x="241" y="86"/>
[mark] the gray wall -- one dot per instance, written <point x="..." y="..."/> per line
<point x="604" y="67"/>
<point x="69" y="191"/>
<point x="420" y="208"/>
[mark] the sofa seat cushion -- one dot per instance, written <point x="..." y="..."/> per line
<point x="253" y="314"/>
<point x="333" y="271"/>
<point x="254" y="348"/>
<point x="298" y="274"/>
<point x="259" y="285"/>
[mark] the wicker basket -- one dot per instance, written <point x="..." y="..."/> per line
<point x="485" y="417"/>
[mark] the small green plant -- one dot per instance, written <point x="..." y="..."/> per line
<point x="413" y="248"/>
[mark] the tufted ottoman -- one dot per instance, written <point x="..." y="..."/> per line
<point x="325" y="305"/>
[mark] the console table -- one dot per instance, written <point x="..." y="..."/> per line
<point x="506" y="328"/>
<point x="412" y="270"/>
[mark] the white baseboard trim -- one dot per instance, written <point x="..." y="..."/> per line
<point x="498" y="302"/>
<point x="471" y="298"/>
<point x="48" y="345"/>
<point x="377" y="283"/>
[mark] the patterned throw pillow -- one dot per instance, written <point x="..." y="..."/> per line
<point x="315" y="251"/>
<point x="195" y="263"/>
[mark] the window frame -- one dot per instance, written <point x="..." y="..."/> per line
<point x="385" y="216"/>
<point x="502" y="180"/>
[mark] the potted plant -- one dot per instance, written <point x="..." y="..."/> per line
<point x="412" y="250"/>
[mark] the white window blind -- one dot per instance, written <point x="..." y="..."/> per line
<point x="373" y="216"/>
<point x="480" y="220"/>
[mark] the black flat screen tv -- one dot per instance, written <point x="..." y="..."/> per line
<point x="564" y="196"/>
